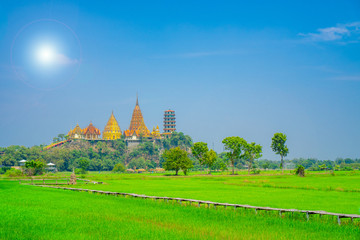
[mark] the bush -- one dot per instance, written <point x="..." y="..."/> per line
<point x="13" y="173"/>
<point x="300" y="171"/>
<point x="4" y="169"/>
<point x="119" y="168"/>
<point x="80" y="171"/>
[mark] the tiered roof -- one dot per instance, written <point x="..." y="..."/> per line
<point x="91" y="131"/>
<point x="137" y="124"/>
<point x="112" y="129"/>
<point x="77" y="132"/>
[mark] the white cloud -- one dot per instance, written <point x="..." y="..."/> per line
<point x="339" y="32"/>
<point x="64" y="60"/>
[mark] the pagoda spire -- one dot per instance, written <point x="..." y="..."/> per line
<point x="137" y="99"/>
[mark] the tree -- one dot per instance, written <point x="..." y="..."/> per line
<point x="219" y="164"/>
<point x="34" y="167"/>
<point x="137" y="163"/>
<point x="210" y="158"/>
<point x="61" y="136"/>
<point x="84" y="164"/>
<point x="176" y="159"/>
<point x="199" y="151"/>
<point x="234" y="145"/>
<point x="266" y="165"/>
<point x="252" y="151"/>
<point x="119" y="168"/>
<point x="279" y="147"/>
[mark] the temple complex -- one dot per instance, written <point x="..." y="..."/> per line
<point x="91" y="132"/>
<point x="136" y="133"/>
<point x="112" y="129"/>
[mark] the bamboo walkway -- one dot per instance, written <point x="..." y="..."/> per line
<point x="339" y="216"/>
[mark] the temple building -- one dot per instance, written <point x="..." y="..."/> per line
<point x="137" y="127"/>
<point x="156" y="133"/>
<point x="112" y="129"/>
<point x="91" y="132"/>
<point x="76" y="133"/>
<point x="136" y="133"/>
<point x="169" y="122"/>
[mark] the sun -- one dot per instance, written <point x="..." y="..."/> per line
<point x="46" y="54"/>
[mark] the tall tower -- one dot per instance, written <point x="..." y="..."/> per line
<point x="169" y="122"/>
<point x="137" y="124"/>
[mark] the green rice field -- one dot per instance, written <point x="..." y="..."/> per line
<point x="31" y="212"/>
<point x="339" y="193"/>
<point x="57" y="214"/>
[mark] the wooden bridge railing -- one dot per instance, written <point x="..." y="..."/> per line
<point x="339" y="216"/>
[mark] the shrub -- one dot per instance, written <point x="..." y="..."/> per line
<point x="13" y="173"/>
<point x="80" y="171"/>
<point x="4" y="169"/>
<point x="119" y="168"/>
<point x="300" y="171"/>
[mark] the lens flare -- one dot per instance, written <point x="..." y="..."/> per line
<point x="46" y="55"/>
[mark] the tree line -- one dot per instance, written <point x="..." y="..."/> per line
<point x="177" y="152"/>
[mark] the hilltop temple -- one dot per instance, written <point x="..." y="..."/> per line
<point x="137" y="131"/>
<point x="112" y="129"/>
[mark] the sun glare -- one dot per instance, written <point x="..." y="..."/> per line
<point x="46" y="55"/>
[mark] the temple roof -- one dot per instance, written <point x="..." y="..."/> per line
<point x="112" y="124"/>
<point x="91" y="130"/>
<point x="137" y="124"/>
<point x="76" y="130"/>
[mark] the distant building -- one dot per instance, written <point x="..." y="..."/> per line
<point x="137" y="127"/>
<point x="112" y="129"/>
<point x="169" y="122"/>
<point x="91" y="132"/>
<point x="136" y="133"/>
<point x="76" y="133"/>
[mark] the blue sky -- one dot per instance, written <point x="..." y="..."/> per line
<point x="228" y="68"/>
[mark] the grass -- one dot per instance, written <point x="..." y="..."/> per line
<point x="30" y="212"/>
<point x="340" y="193"/>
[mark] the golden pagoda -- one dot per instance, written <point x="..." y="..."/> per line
<point x="91" y="132"/>
<point x="137" y="125"/>
<point x="156" y="133"/>
<point x="76" y="133"/>
<point x="112" y="129"/>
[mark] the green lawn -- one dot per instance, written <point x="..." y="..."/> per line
<point x="340" y="193"/>
<point x="30" y="212"/>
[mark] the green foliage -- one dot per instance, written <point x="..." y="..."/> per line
<point x="210" y="158"/>
<point x="199" y="150"/>
<point x="138" y="163"/>
<point x="279" y="147"/>
<point x="202" y="153"/>
<point x="83" y="163"/>
<point x="4" y="169"/>
<point x="176" y="159"/>
<point x="234" y="146"/>
<point x="300" y="171"/>
<point x="252" y="151"/>
<point x="34" y="167"/>
<point x="12" y="172"/>
<point x="119" y="168"/>
<point x="177" y="139"/>
<point x="220" y="164"/>
<point x="254" y="170"/>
